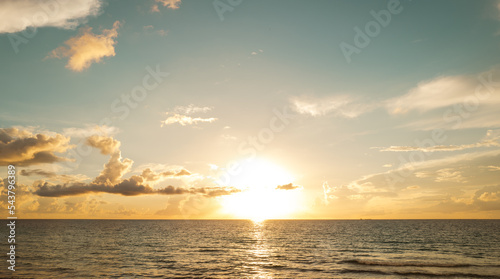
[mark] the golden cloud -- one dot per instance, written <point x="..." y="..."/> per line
<point x="87" y="48"/>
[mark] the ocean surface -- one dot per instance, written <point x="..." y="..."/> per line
<point x="247" y="249"/>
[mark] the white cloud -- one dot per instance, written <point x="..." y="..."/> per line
<point x="190" y="109"/>
<point x="18" y="15"/>
<point x="469" y="91"/>
<point x="437" y="93"/>
<point x="186" y="120"/>
<point x="341" y="105"/>
<point x="492" y="138"/>
<point x="180" y="115"/>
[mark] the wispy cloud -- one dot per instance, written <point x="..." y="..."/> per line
<point x="18" y="15"/>
<point x="87" y="48"/>
<point x="492" y="138"/>
<point x="445" y="91"/>
<point x="65" y="178"/>
<point x="151" y="29"/>
<point x="341" y="106"/>
<point x="190" y="109"/>
<point x="443" y="175"/>
<point x="181" y="115"/>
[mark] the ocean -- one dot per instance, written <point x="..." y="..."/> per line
<point x="247" y="249"/>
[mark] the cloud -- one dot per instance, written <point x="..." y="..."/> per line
<point x="490" y="197"/>
<point x="443" y="175"/>
<point x="438" y="186"/>
<point x="437" y="93"/>
<point x="151" y="29"/>
<point x="87" y="48"/>
<point x="445" y="91"/>
<point x="216" y="191"/>
<point x="186" y="120"/>
<point x="107" y="145"/>
<point x="23" y="148"/>
<point x="288" y="186"/>
<point x="116" y="167"/>
<point x="111" y="181"/>
<point x="255" y="52"/>
<point x="171" y="4"/>
<point x="18" y="15"/>
<point x="155" y="8"/>
<point x="150" y="175"/>
<point x="190" y="109"/>
<point x="493" y="168"/>
<point x="484" y="199"/>
<point x="492" y="138"/>
<point x="127" y="187"/>
<point x="469" y="169"/>
<point x="53" y="176"/>
<point x="180" y="115"/>
<point x="340" y="106"/>
<point x="467" y="101"/>
<point x="114" y="170"/>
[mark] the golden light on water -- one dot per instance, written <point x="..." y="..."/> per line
<point x="260" y="199"/>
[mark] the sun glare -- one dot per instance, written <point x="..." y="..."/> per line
<point x="259" y="199"/>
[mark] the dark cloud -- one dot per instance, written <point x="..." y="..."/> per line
<point x="288" y="186"/>
<point x="23" y="148"/>
<point x="127" y="187"/>
<point x="65" y="178"/>
<point x="110" y="180"/>
<point x="216" y="191"/>
<point x="38" y="172"/>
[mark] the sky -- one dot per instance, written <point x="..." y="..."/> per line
<point x="170" y="109"/>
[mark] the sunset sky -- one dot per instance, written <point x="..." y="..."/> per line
<point x="251" y="109"/>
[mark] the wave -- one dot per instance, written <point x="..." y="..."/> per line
<point x="405" y="263"/>
<point x="210" y="250"/>
<point x="418" y="273"/>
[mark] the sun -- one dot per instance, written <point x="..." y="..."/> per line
<point x="259" y="198"/>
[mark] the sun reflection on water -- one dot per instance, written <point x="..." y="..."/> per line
<point x="259" y="252"/>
